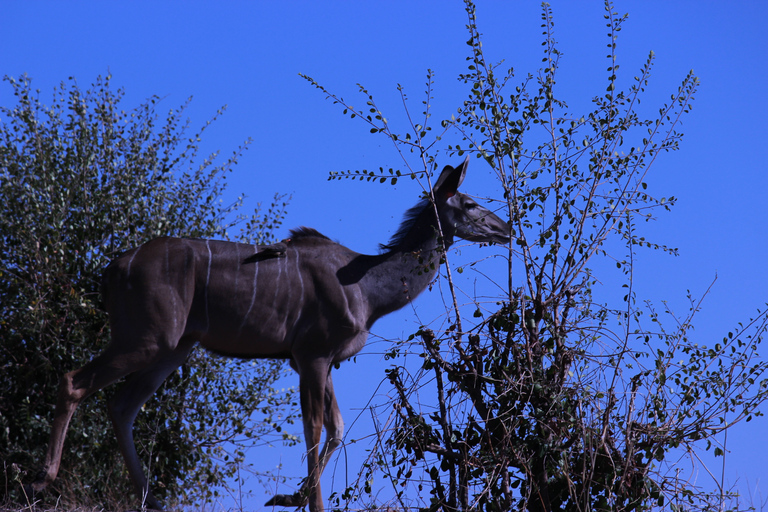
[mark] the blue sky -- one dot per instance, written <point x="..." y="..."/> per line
<point x="247" y="55"/>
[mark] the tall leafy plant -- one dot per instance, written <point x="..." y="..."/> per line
<point x="544" y="399"/>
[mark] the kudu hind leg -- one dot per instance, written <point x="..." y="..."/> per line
<point x="74" y="387"/>
<point x="125" y="406"/>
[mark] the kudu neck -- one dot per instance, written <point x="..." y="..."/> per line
<point x="405" y="270"/>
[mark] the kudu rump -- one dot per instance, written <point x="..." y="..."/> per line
<point x="307" y="299"/>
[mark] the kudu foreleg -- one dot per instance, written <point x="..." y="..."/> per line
<point x="314" y="379"/>
<point x="334" y="424"/>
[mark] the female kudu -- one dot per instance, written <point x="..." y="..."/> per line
<point x="307" y="299"/>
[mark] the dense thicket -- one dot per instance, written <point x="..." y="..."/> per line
<point x="82" y="179"/>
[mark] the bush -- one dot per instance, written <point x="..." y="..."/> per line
<point x="83" y="180"/>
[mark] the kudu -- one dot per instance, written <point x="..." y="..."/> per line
<point x="307" y="299"/>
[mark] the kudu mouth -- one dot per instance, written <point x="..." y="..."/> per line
<point x="487" y="238"/>
<point x="488" y="228"/>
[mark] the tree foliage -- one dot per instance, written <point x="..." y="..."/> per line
<point x="545" y="399"/>
<point x="82" y="180"/>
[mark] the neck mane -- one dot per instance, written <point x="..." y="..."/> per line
<point x="417" y="232"/>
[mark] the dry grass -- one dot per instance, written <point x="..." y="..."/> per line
<point x="33" y="508"/>
<point x="57" y="498"/>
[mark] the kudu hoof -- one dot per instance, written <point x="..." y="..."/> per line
<point x="36" y="486"/>
<point x="288" y="500"/>
<point x="29" y="492"/>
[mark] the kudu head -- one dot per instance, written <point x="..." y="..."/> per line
<point x="460" y="215"/>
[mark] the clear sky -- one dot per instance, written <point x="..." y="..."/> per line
<point x="247" y="55"/>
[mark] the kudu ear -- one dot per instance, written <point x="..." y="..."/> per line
<point x="450" y="180"/>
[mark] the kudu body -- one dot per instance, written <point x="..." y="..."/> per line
<point x="307" y="299"/>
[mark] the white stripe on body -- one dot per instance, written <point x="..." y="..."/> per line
<point x="253" y="294"/>
<point x="130" y="262"/>
<point x="207" y="281"/>
<point x="301" y="282"/>
<point x="174" y="313"/>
